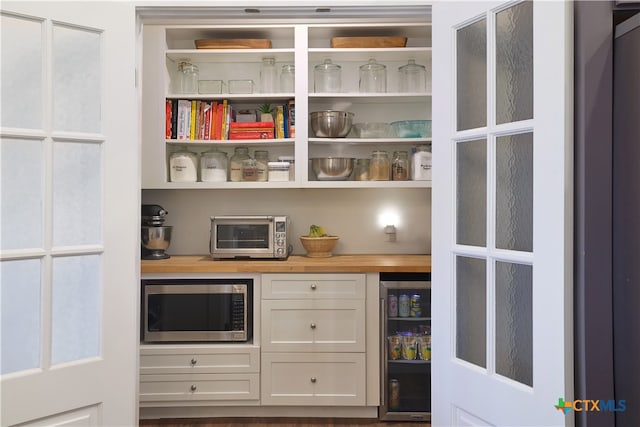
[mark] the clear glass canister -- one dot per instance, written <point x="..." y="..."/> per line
<point x="249" y="170"/>
<point x="213" y="166"/>
<point x="373" y="77"/>
<point x="421" y="163"/>
<point x="327" y="77"/>
<point x="412" y="77"/>
<point x="379" y="166"/>
<point x="361" y="170"/>
<point x="262" y="163"/>
<point x="268" y="75"/>
<point x="288" y="78"/>
<point x="240" y="154"/>
<point x="292" y="165"/>
<point x="183" y="166"/>
<point x="400" y="166"/>
<point x="189" y="77"/>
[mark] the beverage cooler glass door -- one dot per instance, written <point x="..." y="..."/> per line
<point x="406" y="349"/>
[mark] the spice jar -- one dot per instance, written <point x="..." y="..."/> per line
<point x="188" y="77"/>
<point x="262" y="160"/>
<point x="235" y="170"/>
<point x="412" y="77"/>
<point x="373" y="77"/>
<point x="268" y="75"/>
<point x="421" y="163"/>
<point x="288" y="78"/>
<point x="400" y="166"/>
<point x="327" y="77"/>
<point x="213" y="166"/>
<point x="361" y="170"/>
<point x="379" y="166"/>
<point x="183" y="166"/>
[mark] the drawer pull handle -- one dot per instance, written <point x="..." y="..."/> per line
<point x="313" y="380"/>
<point x="313" y="326"/>
<point x="313" y="286"/>
<point x="193" y="387"/>
<point x="193" y="362"/>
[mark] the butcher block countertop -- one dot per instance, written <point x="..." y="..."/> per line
<point x="295" y="264"/>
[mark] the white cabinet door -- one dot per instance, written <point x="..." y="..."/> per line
<point x="70" y="214"/>
<point x="502" y="232"/>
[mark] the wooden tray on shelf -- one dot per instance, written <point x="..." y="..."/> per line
<point x="368" y="42"/>
<point x="233" y="44"/>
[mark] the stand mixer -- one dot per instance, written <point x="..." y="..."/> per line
<point x="156" y="237"/>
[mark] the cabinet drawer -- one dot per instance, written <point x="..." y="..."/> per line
<point x="307" y="325"/>
<point x="313" y="379"/>
<point x="198" y="360"/>
<point x="200" y="387"/>
<point x="313" y="286"/>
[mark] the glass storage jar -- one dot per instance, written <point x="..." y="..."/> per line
<point x="183" y="166"/>
<point x="262" y="160"/>
<point x="373" y="77"/>
<point x="400" y="166"/>
<point x="379" y="166"/>
<point x="268" y="75"/>
<point x="240" y="154"/>
<point x="412" y="77"/>
<point x="288" y="78"/>
<point x="249" y="170"/>
<point x="189" y="77"/>
<point x="327" y="77"/>
<point x="361" y="170"/>
<point x="213" y="166"/>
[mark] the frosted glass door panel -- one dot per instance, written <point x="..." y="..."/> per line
<point x="77" y="82"/>
<point x="21" y="318"/>
<point x="471" y="60"/>
<point x="471" y="193"/>
<point x="514" y="192"/>
<point x="22" y="72"/>
<point x="514" y="321"/>
<point x="76" y="308"/>
<point x="471" y="310"/>
<point x="77" y="193"/>
<point x="514" y="63"/>
<point x="22" y="163"/>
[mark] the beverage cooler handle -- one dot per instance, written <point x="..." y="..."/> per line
<point x="383" y="328"/>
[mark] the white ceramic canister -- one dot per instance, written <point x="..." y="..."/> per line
<point x="421" y="163"/>
<point x="183" y="166"/>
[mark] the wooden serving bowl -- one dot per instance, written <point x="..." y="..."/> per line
<point x="319" y="247"/>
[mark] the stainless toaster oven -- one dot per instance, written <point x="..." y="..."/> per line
<point x="250" y="236"/>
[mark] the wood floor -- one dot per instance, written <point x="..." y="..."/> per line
<point x="276" y="422"/>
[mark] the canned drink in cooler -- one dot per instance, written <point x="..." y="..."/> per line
<point x="404" y="305"/>
<point x="394" y="395"/>
<point x="425" y="347"/>
<point x="393" y="305"/>
<point x="414" y="306"/>
<point x="409" y="347"/>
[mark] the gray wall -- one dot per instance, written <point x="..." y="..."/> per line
<point x="352" y="214"/>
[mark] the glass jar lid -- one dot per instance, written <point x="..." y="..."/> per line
<point x="411" y="67"/>
<point x="372" y="65"/>
<point x="327" y="66"/>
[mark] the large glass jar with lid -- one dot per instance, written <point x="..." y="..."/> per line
<point x="288" y="78"/>
<point x="213" y="166"/>
<point x="240" y="154"/>
<point x="188" y="77"/>
<point x="379" y="166"/>
<point x="268" y="75"/>
<point x="412" y="77"/>
<point x="183" y="166"/>
<point x="373" y="77"/>
<point x="400" y="166"/>
<point x="327" y="77"/>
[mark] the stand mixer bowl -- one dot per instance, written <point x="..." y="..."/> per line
<point x="155" y="241"/>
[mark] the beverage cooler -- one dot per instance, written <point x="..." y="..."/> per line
<point x="405" y="304"/>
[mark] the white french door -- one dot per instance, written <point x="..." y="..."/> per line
<point x="502" y="216"/>
<point x="69" y="214"/>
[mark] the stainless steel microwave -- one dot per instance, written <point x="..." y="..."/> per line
<point x="250" y="236"/>
<point x="196" y="310"/>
